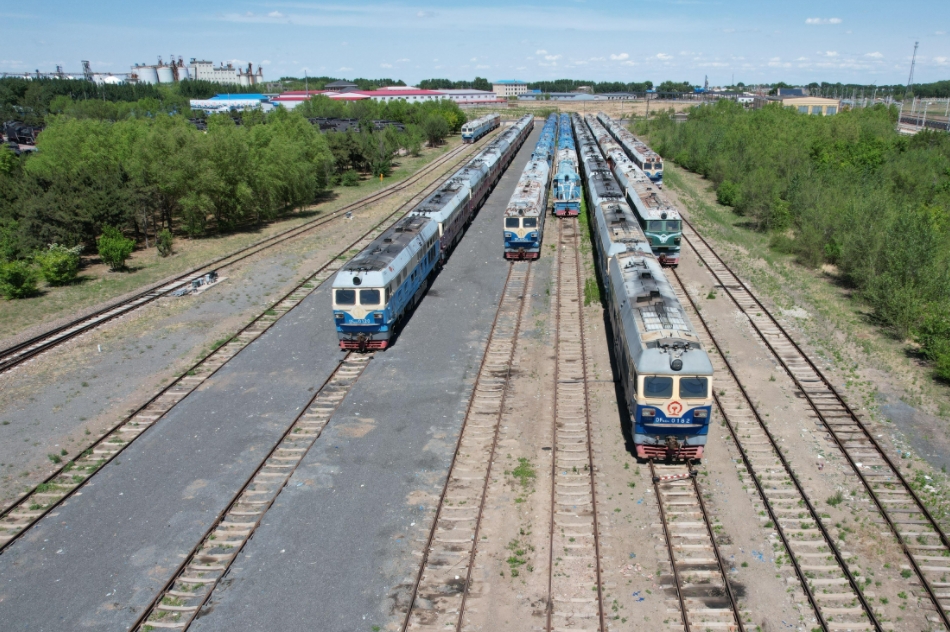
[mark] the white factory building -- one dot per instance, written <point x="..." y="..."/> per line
<point x="225" y="73"/>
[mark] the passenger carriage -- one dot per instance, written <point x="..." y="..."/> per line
<point x="473" y="130"/>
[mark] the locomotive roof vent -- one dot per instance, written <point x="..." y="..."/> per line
<point x="676" y="364"/>
<point x="663" y="215"/>
<point x="357" y="280"/>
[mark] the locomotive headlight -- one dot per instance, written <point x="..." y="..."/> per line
<point x="700" y="413"/>
<point x="648" y="412"/>
<point x="338" y="316"/>
<point x="378" y="317"/>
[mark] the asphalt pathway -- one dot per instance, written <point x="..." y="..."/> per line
<point x="335" y="552"/>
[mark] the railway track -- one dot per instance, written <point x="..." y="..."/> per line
<point x="703" y="593"/>
<point x="924" y="544"/>
<point x="441" y="589"/>
<point x="832" y="591"/>
<point x="20" y="353"/>
<point x="183" y="597"/>
<point x="575" y="585"/>
<point x="16" y="519"/>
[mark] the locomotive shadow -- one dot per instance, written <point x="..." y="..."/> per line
<point x="626" y="424"/>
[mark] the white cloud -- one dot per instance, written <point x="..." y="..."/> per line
<point x="474" y="59"/>
<point x="275" y="14"/>
<point x="343" y="68"/>
<point x="482" y="66"/>
<point x="831" y="53"/>
<point x="940" y="32"/>
<point x="598" y="58"/>
<point x="875" y="55"/>
<point x="266" y="62"/>
<point x="816" y="21"/>
<point x="553" y="57"/>
<point x="426" y="14"/>
<point x="628" y="63"/>
<point x="802" y="59"/>
<point x="540" y="51"/>
<point x="663" y="56"/>
<point x="620" y="57"/>
<point x="941" y="61"/>
<point x="385" y="65"/>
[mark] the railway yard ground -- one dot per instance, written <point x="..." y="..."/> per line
<point x="477" y="474"/>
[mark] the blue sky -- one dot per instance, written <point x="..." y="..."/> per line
<point x="868" y="42"/>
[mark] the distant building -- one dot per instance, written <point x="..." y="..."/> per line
<point x="804" y="105"/>
<point x="229" y="102"/>
<point x="792" y="92"/>
<point x="562" y="96"/>
<point x="472" y="97"/>
<point x="340" y="86"/>
<point x="505" y="88"/>
<point x="585" y="89"/>
<point x="225" y="73"/>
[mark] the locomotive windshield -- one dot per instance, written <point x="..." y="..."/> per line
<point x="694" y="387"/>
<point x="369" y="297"/>
<point x="530" y="222"/>
<point x="345" y="297"/>
<point x="511" y="222"/>
<point x="657" y="387"/>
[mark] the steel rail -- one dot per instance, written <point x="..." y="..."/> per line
<point x="179" y="384"/>
<point x="23" y="351"/>
<point x="482" y="371"/>
<point x="558" y="329"/>
<point x="668" y="537"/>
<point x="829" y="540"/>
<point x="289" y="436"/>
<point x="920" y="508"/>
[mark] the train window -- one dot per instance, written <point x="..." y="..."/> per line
<point x="346" y="297"/>
<point x="694" y="387"/>
<point x="511" y="222"/>
<point x="657" y="387"/>
<point x="369" y="297"/>
<point x="655" y="226"/>
<point x="530" y="222"/>
<point x="674" y="225"/>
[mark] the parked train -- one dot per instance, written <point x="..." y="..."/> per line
<point x="375" y="290"/>
<point x="567" y="182"/>
<point x="648" y="160"/>
<point x="666" y="373"/>
<point x="524" y="215"/>
<point x="658" y="218"/>
<point x="473" y="130"/>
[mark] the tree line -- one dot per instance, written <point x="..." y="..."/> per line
<point x="148" y="173"/>
<point x="846" y="190"/>
<point x="480" y="83"/>
<point x="571" y="85"/>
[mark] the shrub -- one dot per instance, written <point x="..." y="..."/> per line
<point x="728" y="193"/>
<point x="17" y="279"/>
<point x="164" y="242"/>
<point x="436" y="129"/>
<point x="350" y="178"/>
<point x="58" y="264"/>
<point x="114" y="248"/>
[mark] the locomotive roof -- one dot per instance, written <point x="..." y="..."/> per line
<point x="438" y="200"/>
<point x="650" y="203"/>
<point x="656" y="326"/>
<point x="480" y="120"/>
<point x="528" y="197"/>
<point x="385" y="248"/>
<point x="620" y="226"/>
<point x="604" y="185"/>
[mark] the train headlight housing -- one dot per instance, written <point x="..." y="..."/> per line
<point x="648" y="413"/>
<point x="338" y="316"/>
<point x="700" y="413"/>
<point x="378" y="317"/>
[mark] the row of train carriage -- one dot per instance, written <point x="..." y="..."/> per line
<point x="665" y="372"/>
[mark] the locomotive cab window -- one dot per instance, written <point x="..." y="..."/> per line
<point x="511" y="222"/>
<point x="530" y="222"/>
<point x="369" y="297"/>
<point x="345" y="297"/>
<point x="657" y="387"/>
<point x="694" y="387"/>
<point x="655" y="225"/>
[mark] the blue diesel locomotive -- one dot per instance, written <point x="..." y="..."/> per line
<point x="648" y="160"/>
<point x="473" y="130"/>
<point x="664" y="369"/>
<point x="524" y="215"/>
<point x="373" y="292"/>
<point x="567" y="182"/>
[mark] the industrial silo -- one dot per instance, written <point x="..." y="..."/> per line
<point x="165" y="74"/>
<point x="183" y="72"/>
<point x="146" y="74"/>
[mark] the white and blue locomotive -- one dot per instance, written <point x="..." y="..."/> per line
<point x="665" y="371"/>
<point x="524" y="216"/>
<point x="648" y="160"/>
<point x="659" y="219"/>
<point x="374" y="291"/>
<point x="473" y="130"/>
<point x="567" y="182"/>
